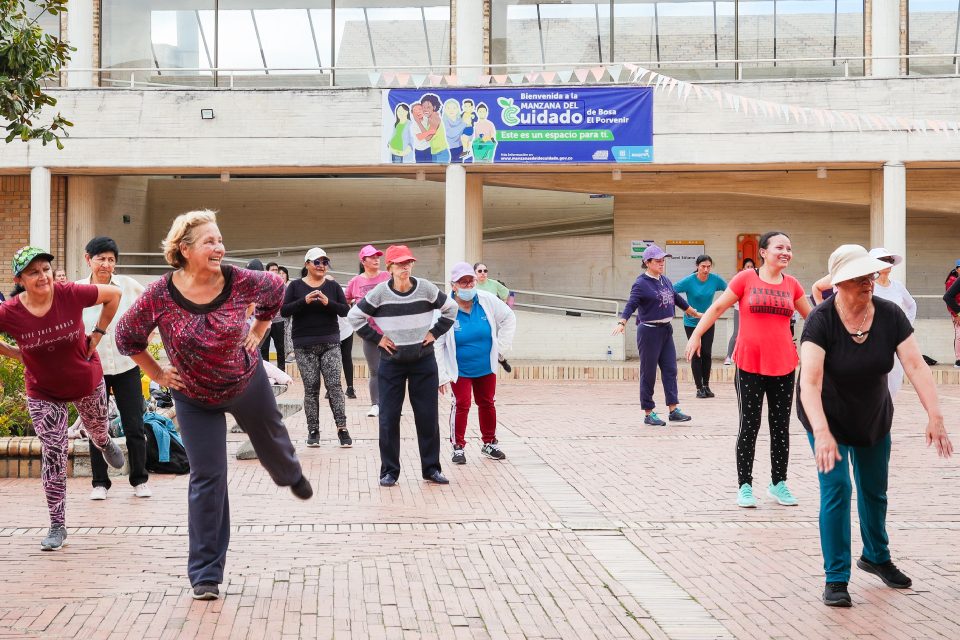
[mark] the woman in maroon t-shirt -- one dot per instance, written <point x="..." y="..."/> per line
<point x="45" y="318"/>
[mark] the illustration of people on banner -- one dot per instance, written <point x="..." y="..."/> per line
<point x="530" y="125"/>
<point x="427" y="131"/>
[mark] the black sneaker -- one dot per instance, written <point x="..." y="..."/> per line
<point x="709" y="394"/>
<point x="458" y="456"/>
<point x="835" y="594"/>
<point x="678" y="416"/>
<point x="345" y="439"/>
<point x="492" y="450"/>
<point x="388" y="480"/>
<point x="888" y="572"/>
<point x="506" y="366"/>
<point x="351" y="393"/>
<point x="56" y="538"/>
<point x="701" y="393"/>
<point x="313" y="438"/>
<point x="302" y="488"/>
<point x="206" y="591"/>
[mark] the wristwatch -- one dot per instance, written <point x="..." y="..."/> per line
<point x="99" y="330"/>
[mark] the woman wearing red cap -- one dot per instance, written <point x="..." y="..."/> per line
<point x="357" y="288"/>
<point x="404" y="307"/>
<point x="45" y="318"/>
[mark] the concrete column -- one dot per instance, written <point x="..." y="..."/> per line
<point x="455" y="225"/>
<point x="80" y="35"/>
<point x="468" y="26"/>
<point x="474" y="218"/>
<point x="40" y="207"/>
<point x="81" y="223"/>
<point x="895" y="214"/>
<point x="885" y="39"/>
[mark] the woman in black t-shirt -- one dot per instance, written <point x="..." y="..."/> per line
<point x="846" y="352"/>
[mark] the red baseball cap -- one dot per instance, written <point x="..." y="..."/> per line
<point x="399" y="253"/>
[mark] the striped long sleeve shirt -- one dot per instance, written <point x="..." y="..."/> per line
<point x="406" y="317"/>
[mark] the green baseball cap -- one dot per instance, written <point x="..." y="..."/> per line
<point x="24" y="256"/>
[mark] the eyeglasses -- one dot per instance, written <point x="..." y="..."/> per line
<point x="466" y="282"/>
<point x="870" y="277"/>
<point x="321" y="262"/>
<point x="481" y="271"/>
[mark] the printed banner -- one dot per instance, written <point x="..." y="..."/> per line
<point x="531" y="125"/>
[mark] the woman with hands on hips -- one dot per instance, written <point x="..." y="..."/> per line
<point x="846" y="353"/>
<point x="215" y="367"/>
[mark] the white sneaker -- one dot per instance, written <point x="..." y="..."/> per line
<point x="98" y="493"/>
<point x="142" y="491"/>
<point x="727" y="362"/>
<point x="374" y="411"/>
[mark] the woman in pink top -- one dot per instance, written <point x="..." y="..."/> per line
<point x="766" y="359"/>
<point x="356" y="289"/>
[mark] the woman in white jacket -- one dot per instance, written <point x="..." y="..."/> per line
<point x="467" y="358"/>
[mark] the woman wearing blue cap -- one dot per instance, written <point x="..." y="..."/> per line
<point x="654" y="299"/>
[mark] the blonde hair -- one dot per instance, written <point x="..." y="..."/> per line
<point x="183" y="231"/>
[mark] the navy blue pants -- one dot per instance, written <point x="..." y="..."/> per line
<point x="204" y="431"/>
<point x="423" y="380"/>
<point x="655" y="344"/>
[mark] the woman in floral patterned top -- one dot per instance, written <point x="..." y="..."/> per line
<point x="215" y="368"/>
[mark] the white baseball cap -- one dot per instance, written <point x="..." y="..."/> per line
<point x="314" y="253"/>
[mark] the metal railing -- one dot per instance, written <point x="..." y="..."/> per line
<point x="277" y="74"/>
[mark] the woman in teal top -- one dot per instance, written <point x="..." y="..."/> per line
<point x="700" y="287"/>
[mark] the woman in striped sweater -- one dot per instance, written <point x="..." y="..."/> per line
<point x="404" y="308"/>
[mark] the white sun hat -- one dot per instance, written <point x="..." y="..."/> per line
<point x="852" y="261"/>
<point x="880" y="252"/>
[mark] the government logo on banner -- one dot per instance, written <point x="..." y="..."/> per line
<point x="549" y="125"/>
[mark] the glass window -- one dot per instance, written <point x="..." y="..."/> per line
<point x="525" y="33"/>
<point x="169" y="41"/>
<point x="410" y="34"/>
<point x="934" y="27"/>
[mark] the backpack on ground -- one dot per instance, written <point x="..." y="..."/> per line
<point x="165" y="452"/>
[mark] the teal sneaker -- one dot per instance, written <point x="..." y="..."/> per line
<point x="745" y="497"/>
<point x="781" y="494"/>
<point x="654" y="419"/>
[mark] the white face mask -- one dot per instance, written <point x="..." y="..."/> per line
<point x="466" y="294"/>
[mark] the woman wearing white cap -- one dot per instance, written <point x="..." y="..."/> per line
<point x="467" y="358"/>
<point x="359" y="286"/>
<point x="846" y="353"/>
<point x="314" y="303"/>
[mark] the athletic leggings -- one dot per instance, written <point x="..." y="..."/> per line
<point x="314" y="362"/>
<point x="346" y="357"/>
<point x="50" y="424"/>
<point x="371" y="354"/>
<point x="751" y="387"/>
<point x="732" y="342"/>
<point x="700" y="365"/>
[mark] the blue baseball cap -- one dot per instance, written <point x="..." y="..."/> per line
<point x="958" y="263"/>
<point x="653" y="252"/>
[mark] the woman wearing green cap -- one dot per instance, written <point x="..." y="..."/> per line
<point x="45" y="319"/>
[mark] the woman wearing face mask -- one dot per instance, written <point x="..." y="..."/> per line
<point x="314" y="303"/>
<point x="766" y="360"/>
<point x="358" y="287"/>
<point x="654" y="299"/>
<point x="700" y="287"/>
<point x="61" y="366"/>
<point x="467" y="358"/>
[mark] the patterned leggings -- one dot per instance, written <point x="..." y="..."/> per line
<point x="751" y="387"/>
<point x="50" y="424"/>
<point x="314" y="362"/>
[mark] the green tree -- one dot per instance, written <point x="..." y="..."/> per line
<point x="29" y="58"/>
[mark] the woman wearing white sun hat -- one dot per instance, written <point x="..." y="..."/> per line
<point x="846" y="352"/>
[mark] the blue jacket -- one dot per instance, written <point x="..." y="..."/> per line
<point x="163" y="430"/>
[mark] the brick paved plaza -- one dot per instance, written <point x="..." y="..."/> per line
<point x="594" y="527"/>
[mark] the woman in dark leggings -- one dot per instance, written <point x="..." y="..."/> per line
<point x="766" y="360"/>
<point x="700" y="287"/>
